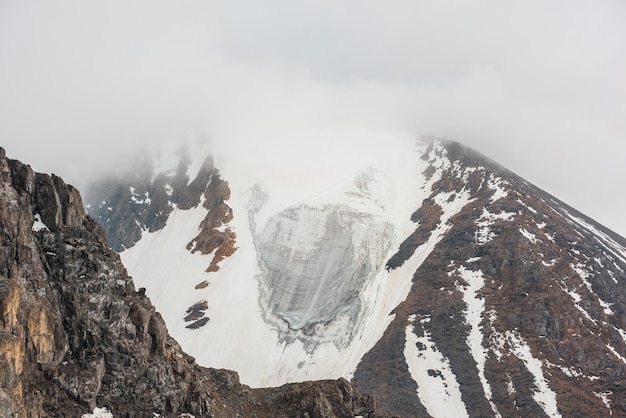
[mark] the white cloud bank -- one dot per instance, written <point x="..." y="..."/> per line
<point x="536" y="85"/>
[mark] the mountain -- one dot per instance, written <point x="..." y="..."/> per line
<point x="76" y="337"/>
<point x="430" y="276"/>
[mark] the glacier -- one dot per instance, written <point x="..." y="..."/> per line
<point x="306" y="293"/>
<point x="315" y="261"/>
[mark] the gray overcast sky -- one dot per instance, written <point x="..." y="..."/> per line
<point x="538" y="86"/>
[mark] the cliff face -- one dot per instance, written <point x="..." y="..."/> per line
<point x="74" y="333"/>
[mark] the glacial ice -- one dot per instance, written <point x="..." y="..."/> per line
<point x="316" y="260"/>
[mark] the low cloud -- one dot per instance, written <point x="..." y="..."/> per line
<point x="538" y="86"/>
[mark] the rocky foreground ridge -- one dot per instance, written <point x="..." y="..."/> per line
<point x="75" y="334"/>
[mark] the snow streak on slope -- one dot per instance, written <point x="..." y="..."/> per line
<point x="543" y="395"/>
<point x="511" y="342"/>
<point x="603" y="239"/>
<point x="474" y="281"/>
<point x="347" y="198"/>
<point x="437" y="386"/>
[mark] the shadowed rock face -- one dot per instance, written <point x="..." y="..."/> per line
<point x="317" y="260"/>
<point x="74" y="334"/>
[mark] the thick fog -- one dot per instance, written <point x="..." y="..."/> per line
<point x="538" y="86"/>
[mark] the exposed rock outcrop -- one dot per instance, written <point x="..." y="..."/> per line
<point x="212" y="237"/>
<point x="138" y="199"/>
<point x="74" y="333"/>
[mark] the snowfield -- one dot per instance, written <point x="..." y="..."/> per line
<point x="376" y="180"/>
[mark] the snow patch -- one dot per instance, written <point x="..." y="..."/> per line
<point x="496" y="183"/>
<point x="528" y="235"/>
<point x="606" y="400"/>
<point x="98" y="413"/>
<point x="614" y="351"/>
<point x="451" y="203"/>
<point x="437" y="386"/>
<point x="603" y="239"/>
<point x="584" y="275"/>
<point x="543" y="395"/>
<point x="38" y="224"/>
<point x="510" y="388"/>
<point x="496" y="339"/>
<point x="483" y="235"/>
<point x="484" y="223"/>
<point x="622" y="333"/>
<point x="139" y="199"/>
<point x="576" y="298"/>
<point x="567" y="371"/>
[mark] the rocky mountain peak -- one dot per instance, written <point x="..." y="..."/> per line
<point x="520" y="304"/>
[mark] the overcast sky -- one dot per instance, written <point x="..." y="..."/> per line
<point x="539" y="86"/>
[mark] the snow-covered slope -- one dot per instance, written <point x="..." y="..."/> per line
<point x="312" y="241"/>
<point x="432" y="277"/>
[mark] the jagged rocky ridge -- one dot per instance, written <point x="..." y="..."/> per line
<point x="139" y="200"/>
<point x="74" y="333"/>
<point x="516" y="301"/>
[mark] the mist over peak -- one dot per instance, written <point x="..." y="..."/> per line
<point x="537" y="86"/>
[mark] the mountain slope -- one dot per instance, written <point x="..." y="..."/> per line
<point x="519" y="310"/>
<point x="74" y="333"/>
<point x="435" y="279"/>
